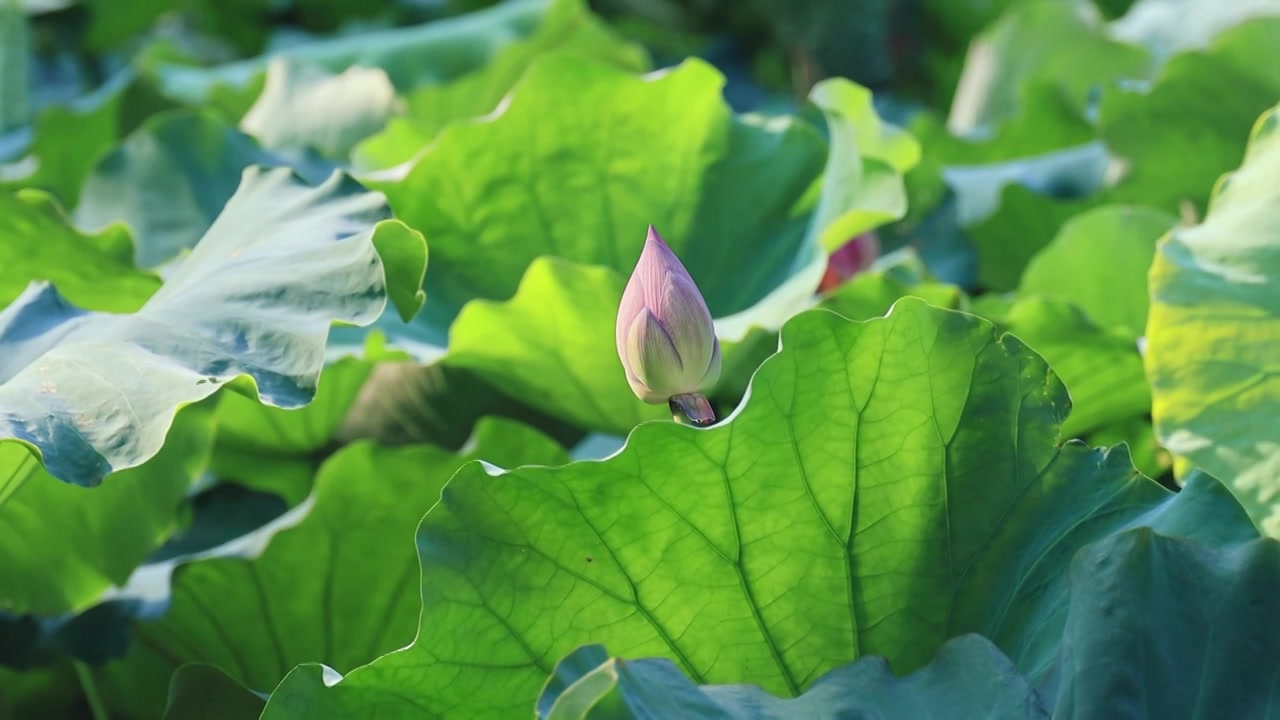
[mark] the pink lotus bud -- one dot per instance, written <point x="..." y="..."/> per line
<point x="665" y="336"/>
<point x="850" y="259"/>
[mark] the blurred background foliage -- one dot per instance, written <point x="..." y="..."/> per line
<point x="1030" y="171"/>
<point x="913" y="47"/>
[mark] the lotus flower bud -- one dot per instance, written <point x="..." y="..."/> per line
<point x="665" y="335"/>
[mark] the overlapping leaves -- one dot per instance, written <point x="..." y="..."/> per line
<point x="93" y="393"/>
<point x="865" y="500"/>
<point x="610" y="152"/>
<point x="350" y="558"/>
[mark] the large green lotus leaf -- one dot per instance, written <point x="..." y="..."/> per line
<point x="433" y="52"/>
<point x="1162" y="627"/>
<point x="64" y="545"/>
<point x="168" y="182"/>
<point x="1099" y="261"/>
<point x="867" y="295"/>
<point x="567" y="27"/>
<point x="1101" y="368"/>
<point x="206" y="691"/>
<point x="1063" y="43"/>
<point x="68" y="139"/>
<point x="307" y="107"/>
<point x="94" y="393"/>
<point x="36" y="243"/>
<point x="1214" y="331"/>
<point x="583" y="157"/>
<point x="339" y="587"/>
<point x="886" y="486"/>
<point x="970" y="678"/>
<point x="1168" y="27"/>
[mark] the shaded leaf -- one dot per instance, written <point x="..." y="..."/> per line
<point x="206" y="692"/>
<point x="438" y="404"/>
<point x="1173" y="138"/>
<point x="1191" y="126"/>
<point x="15" y="67"/>
<point x="969" y="678"/>
<point x="1160" y="626"/>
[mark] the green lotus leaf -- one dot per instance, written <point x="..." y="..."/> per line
<point x="886" y="486"/>
<point x="50" y="690"/>
<point x="1213" y="332"/>
<point x="52" y="553"/>
<point x="1099" y="261"/>
<point x="567" y="27"/>
<point x="539" y="297"/>
<point x="1191" y="126"/>
<point x="202" y="690"/>
<point x="1045" y="41"/>
<point x="1171" y="140"/>
<point x="278" y="450"/>
<point x="35" y="240"/>
<point x="615" y="153"/>
<point x="969" y="678"/>
<point x="1167" y="625"/>
<point x="93" y="393"/>
<point x="67" y="140"/>
<point x="349" y="557"/>
<point x="168" y="182"/>
<point x="1101" y="368"/>
<point x="552" y="345"/>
